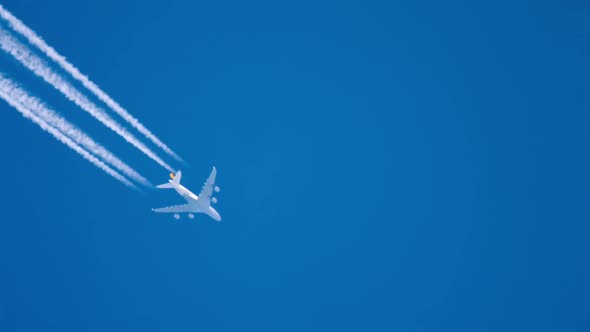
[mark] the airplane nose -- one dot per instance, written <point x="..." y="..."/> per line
<point x="214" y="214"/>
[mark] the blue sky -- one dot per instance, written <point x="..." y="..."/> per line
<point x="385" y="166"/>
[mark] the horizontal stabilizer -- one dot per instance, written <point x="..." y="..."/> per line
<point x="176" y="177"/>
<point x="171" y="183"/>
<point x="175" y="180"/>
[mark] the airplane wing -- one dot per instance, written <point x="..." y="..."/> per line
<point x="176" y="208"/>
<point x="207" y="191"/>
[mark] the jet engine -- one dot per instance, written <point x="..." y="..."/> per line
<point x="214" y="200"/>
<point x="217" y="189"/>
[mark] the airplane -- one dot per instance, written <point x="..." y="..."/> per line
<point x="195" y="204"/>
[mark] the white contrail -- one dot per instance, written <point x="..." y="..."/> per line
<point x="35" y="64"/>
<point x="18" y="26"/>
<point x="34" y="105"/>
<point x="64" y="139"/>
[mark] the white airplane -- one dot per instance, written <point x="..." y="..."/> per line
<point x="195" y="204"/>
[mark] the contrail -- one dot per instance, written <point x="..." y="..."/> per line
<point x="18" y="26"/>
<point x="53" y="119"/>
<point x="35" y="64"/>
<point x="65" y="140"/>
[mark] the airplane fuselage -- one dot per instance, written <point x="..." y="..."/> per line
<point x="187" y="194"/>
<point x="194" y="201"/>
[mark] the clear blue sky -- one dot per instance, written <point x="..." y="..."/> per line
<point x="385" y="166"/>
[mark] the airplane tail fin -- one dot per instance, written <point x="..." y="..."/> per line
<point x="175" y="180"/>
